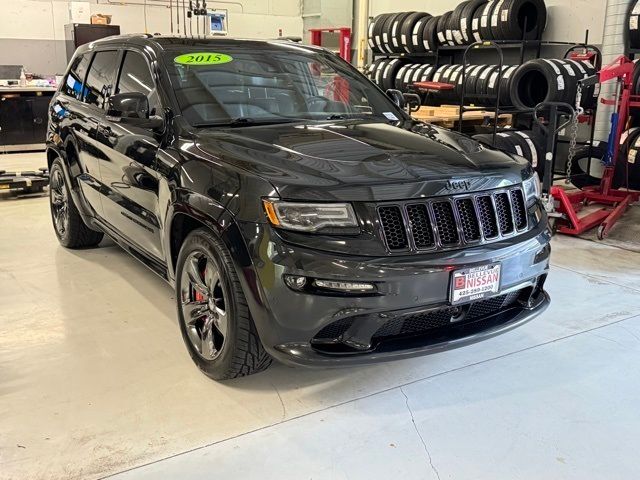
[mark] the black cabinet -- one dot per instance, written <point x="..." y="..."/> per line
<point x="77" y="34"/>
<point x="23" y="120"/>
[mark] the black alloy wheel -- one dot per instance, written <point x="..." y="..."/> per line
<point x="214" y="317"/>
<point x="59" y="203"/>
<point x="203" y="301"/>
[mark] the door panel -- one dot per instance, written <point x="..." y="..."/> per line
<point x="131" y="184"/>
<point x="128" y="169"/>
<point x="77" y="123"/>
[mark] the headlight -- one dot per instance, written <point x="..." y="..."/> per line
<point x="310" y="217"/>
<point x="532" y="188"/>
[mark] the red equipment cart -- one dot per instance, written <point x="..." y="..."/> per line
<point x="614" y="201"/>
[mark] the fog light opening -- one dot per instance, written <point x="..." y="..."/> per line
<point x="296" y="282"/>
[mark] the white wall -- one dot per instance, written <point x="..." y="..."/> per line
<point x="32" y="31"/>
<point x="327" y="13"/>
<point x="567" y="20"/>
<point x="45" y="19"/>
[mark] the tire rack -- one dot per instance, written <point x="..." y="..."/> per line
<point x="499" y="45"/>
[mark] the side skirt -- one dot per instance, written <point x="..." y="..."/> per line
<point x="159" y="268"/>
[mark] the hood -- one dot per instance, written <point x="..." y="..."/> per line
<point x="362" y="161"/>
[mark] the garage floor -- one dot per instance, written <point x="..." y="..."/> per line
<point x="94" y="380"/>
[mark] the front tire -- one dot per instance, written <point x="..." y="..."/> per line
<point x="67" y="222"/>
<point x="215" y="322"/>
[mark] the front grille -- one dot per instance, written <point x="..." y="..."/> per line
<point x="492" y="305"/>
<point x="505" y="216"/>
<point x="420" y="225"/>
<point x="447" y="223"/>
<point x="393" y="226"/>
<point x="415" y="323"/>
<point x="469" y="219"/>
<point x="519" y="211"/>
<point x="487" y="217"/>
<point x="335" y="329"/>
<point x="423" y="322"/>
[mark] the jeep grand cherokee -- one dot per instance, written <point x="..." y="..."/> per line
<point x="299" y="212"/>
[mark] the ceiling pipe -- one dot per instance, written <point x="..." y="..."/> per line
<point x="159" y="3"/>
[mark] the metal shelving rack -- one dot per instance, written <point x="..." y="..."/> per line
<point x="524" y="46"/>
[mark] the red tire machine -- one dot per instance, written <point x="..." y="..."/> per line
<point x="614" y="201"/>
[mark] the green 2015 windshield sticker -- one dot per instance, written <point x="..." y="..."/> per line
<point x="203" y="58"/>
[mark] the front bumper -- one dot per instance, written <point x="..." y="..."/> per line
<point x="289" y="321"/>
<point x="305" y="354"/>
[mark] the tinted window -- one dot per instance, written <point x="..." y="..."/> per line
<point x="135" y="76"/>
<point x="272" y="85"/>
<point x="73" y="83"/>
<point x="101" y="77"/>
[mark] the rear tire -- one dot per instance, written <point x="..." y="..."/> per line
<point x="219" y="333"/>
<point x="67" y="222"/>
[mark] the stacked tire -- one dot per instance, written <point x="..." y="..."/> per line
<point x="526" y="143"/>
<point x="402" y="32"/>
<point x="585" y="172"/>
<point x="627" y="169"/>
<point x="480" y="84"/>
<point x="399" y="73"/>
<point x="383" y="71"/>
<point x="470" y="21"/>
<point x="411" y="73"/>
<point x="556" y="80"/>
<point x="510" y="20"/>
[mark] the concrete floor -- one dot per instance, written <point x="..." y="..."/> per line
<point x="95" y="380"/>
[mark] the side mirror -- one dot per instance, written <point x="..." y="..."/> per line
<point x="396" y="96"/>
<point x="127" y="105"/>
<point x="133" y="109"/>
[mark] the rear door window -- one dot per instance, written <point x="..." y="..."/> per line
<point x="101" y="78"/>
<point x="73" y="85"/>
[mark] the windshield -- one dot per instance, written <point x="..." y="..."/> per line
<point x="238" y="86"/>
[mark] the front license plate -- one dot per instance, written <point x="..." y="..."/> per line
<point x="475" y="283"/>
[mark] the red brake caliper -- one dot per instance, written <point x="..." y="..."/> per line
<point x="198" y="296"/>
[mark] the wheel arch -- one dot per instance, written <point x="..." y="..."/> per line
<point x="68" y="153"/>
<point x="182" y="219"/>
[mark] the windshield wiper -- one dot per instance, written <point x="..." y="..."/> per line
<point x="248" y="121"/>
<point x="355" y="116"/>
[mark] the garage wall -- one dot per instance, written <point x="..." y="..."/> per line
<point x="567" y="19"/>
<point x="324" y="14"/>
<point x="32" y="31"/>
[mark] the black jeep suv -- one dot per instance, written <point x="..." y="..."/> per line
<point x="299" y="212"/>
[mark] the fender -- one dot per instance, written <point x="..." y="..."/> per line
<point x="217" y="218"/>
<point x="205" y="211"/>
<point x="76" y="193"/>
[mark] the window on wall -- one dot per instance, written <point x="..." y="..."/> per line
<point x="136" y="77"/>
<point x="101" y="78"/>
<point x="74" y="82"/>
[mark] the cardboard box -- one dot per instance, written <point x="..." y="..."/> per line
<point x="100" y="19"/>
